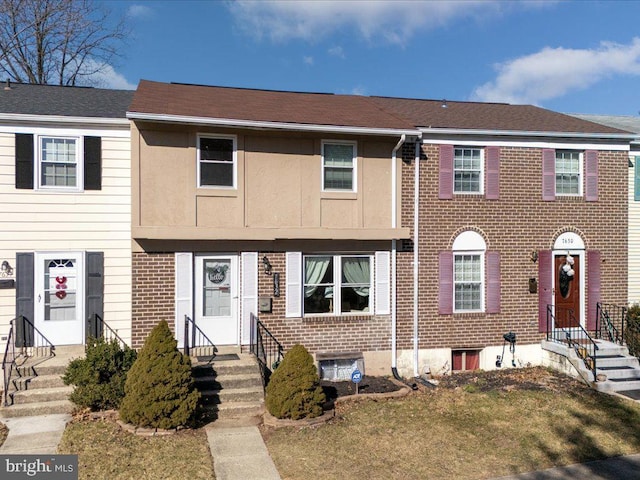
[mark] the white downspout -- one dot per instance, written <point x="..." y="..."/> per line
<point x="394" y="224"/>
<point x="416" y="224"/>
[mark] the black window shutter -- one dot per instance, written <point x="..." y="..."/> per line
<point x="94" y="291"/>
<point x="92" y="163"/>
<point x="24" y="160"/>
<point x="24" y="300"/>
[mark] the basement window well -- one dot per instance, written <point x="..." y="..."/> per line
<point x="337" y="367"/>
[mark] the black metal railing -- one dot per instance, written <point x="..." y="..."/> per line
<point x="611" y="322"/>
<point x="24" y="340"/>
<point x="195" y="338"/>
<point x="563" y="328"/>
<point x="98" y="328"/>
<point x="8" y="362"/>
<point x="265" y="347"/>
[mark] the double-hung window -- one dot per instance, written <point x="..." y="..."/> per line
<point x="468" y="170"/>
<point x="467" y="280"/>
<point x="337" y="284"/>
<point x="568" y="172"/>
<point x="59" y="165"/>
<point x="217" y="161"/>
<point x="339" y="166"/>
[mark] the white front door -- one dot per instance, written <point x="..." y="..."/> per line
<point x="217" y="297"/>
<point x="59" y="297"/>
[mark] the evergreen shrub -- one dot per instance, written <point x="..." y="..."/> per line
<point x="159" y="391"/>
<point x="99" y="378"/>
<point x="632" y="332"/>
<point x="294" y="390"/>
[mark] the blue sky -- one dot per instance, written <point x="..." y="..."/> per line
<point x="569" y="56"/>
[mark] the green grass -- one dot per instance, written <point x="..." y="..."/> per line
<point x="462" y="433"/>
<point x="107" y="452"/>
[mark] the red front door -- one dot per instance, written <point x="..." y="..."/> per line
<point x="567" y="291"/>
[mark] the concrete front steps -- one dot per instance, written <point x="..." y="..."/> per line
<point x="231" y="387"/>
<point x="36" y="386"/>
<point x="617" y="370"/>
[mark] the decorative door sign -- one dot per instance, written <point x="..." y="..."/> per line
<point x="61" y="287"/>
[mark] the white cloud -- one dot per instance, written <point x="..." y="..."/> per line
<point x="107" y="77"/>
<point x="337" y="52"/>
<point x="139" y="11"/>
<point x="391" y="21"/>
<point x="307" y="60"/>
<point x="553" y="72"/>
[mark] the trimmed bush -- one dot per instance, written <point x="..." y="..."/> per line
<point x="632" y="332"/>
<point x="99" y="378"/>
<point x="159" y="391"/>
<point x="294" y="390"/>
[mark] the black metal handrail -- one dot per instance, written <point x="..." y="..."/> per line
<point x="265" y="347"/>
<point x="8" y="362"/>
<point x="194" y="337"/>
<point x="575" y="337"/>
<point x="611" y="322"/>
<point x="33" y="345"/>
<point x="98" y="328"/>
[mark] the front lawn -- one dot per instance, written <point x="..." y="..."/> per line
<point x="472" y="426"/>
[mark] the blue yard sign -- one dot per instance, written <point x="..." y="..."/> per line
<point x="356" y="377"/>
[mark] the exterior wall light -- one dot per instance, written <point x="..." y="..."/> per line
<point x="267" y="265"/>
<point x="6" y="270"/>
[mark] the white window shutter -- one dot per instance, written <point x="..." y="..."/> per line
<point x="382" y="291"/>
<point x="249" y="293"/>
<point x="184" y="292"/>
<point x="293" y="272"/>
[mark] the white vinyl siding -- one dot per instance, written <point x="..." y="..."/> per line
<point x="634" y="238"/>
<point x="50" y="220"/>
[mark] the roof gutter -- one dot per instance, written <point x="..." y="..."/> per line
<point x="524" y="133"/>
<point x="255" y="124"/>
<point x="118" y="122"/>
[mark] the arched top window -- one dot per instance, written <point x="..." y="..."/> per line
<point x="469" y="241"/>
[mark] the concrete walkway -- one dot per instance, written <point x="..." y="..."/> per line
<point x="616" y="468"/>
<point x="239" y="453"/>
<point x="39" y="434"/>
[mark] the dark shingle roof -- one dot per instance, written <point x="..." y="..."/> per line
<point x="623" y="122"/>
<point x="202" y="101"/>
<point x="28" y="99"/>
<point x="487" y="116"/>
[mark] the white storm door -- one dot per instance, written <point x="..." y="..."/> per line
<point x="217" y="298"/>
<point x="59" y="297"/>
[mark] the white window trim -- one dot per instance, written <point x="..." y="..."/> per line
<point x="355" y="165"/>
<point x="482" y="170"/>
<point x="234" y="138"/>
<point x="37" y="170"/>
<point x="337" y="286"/>
<point x="581" y="178"/>
<point x="470" y="243"/>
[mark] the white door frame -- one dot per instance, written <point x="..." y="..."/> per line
<point x="229" y="334"/>
<point x="571" y="243"/>
<point x="59" y="332"/>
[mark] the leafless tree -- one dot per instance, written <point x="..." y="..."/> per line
<point x="64" y="42"/>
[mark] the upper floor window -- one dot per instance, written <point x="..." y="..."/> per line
<point x="339" y="166"/>
<point x="568" y="172"/>
<point x="468" y="170"/>
<point x="217" y="164"/>
<point x="58" y="163"/>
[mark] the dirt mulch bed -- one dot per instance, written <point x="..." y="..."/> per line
<point x="334" y="390"/>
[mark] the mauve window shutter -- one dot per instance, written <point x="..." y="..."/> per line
<point x="445" y="273"/>
<point x="25" y="291"/>
<point x="92" y="163"/>
<point x="548" y="174"/>
<point x="24" y="161"/>
<point x="493" y="282"/>
<point x="593" y="287"/>
<point x="446" y="172"/>
<point x="493" y="173"/>
<point x="591" y="176"/>
<point x="544" y="287"/>
<point x="636" y="179"/>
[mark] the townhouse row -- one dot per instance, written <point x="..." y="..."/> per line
<point x="383" y="232"/>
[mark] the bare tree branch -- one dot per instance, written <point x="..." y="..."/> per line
<point x="65" y="42"/>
